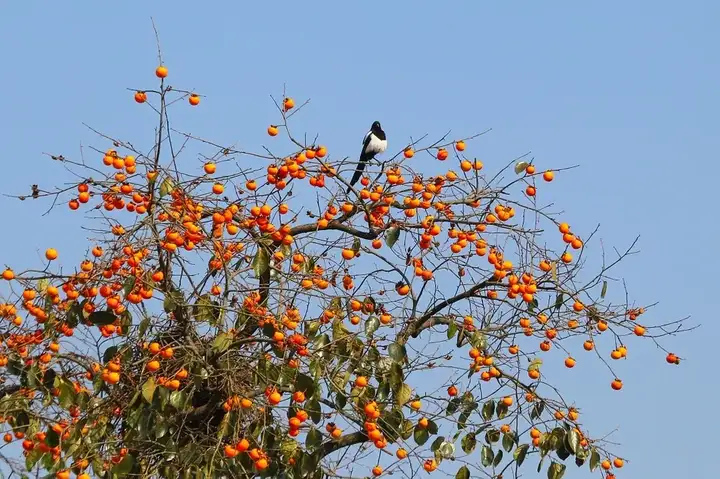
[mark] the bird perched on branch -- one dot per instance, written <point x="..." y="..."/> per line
<point x="375" y="142"/>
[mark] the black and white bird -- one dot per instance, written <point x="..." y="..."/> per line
<point x="375" y="142"/>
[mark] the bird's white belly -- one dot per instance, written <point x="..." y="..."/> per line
<point x="376" y="145"/>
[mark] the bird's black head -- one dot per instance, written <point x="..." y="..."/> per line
<point x="376" y="126"/>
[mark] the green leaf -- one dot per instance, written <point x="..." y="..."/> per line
<point x="537" y="410"/>
<point x="313" y="439"/>
<point x="447" y="450"/>
<point x="498" y="458"/>
<point x="520" y="167"/>
<point x="486" y="456"/>
<point x="391" y="236"/>
<point x="222" y="342"/>
<point x="501" y="410"/>
<point x="313" y="409"/>
<point x="128" y="285"/>
<point x="451" y="330"/>
<point x="403" y="395"/>
<point x="52" y="439"/>
<point x="109" y="354"/>
<point x="206" y="310"/>
<point x="144" y="325"/>
<point x="520" y="453"/>
<point x="463" y="473"/>
<point x="573" y="439"/>
<point x="488" y="409"/>
<point x="558" y="301"/>
<point x="371" y="325"/>
<point x="305" y="383"/>
<point x="396" y="375"/>
<point x="492" y="436"/>
<point x="468" y="443"/>
<point x="392" y="425"/>
<point x="508" y="441"/>
<point x="32" y="458"/>
<point x="148" y="389"/>
<point x="535" y="364"/>
<point x="397" y="352"/>
<point x="604" y="289"/>
<point x="178" y="400"/>
<point x="166" y="186"/>
<point x="406" y="429"/>
<point x="556" y="470"/>
<point x="453" y="406"/>
<point x="101" y="318"/>
<point x="124" y="467"/>
<point x="356" y="245"/>
<point x="432" y="427"/>
<point x="261" y="261"/>
<point x="421" y="435"/>
<point x="171" y="301"/>
<point x="594" y="459"/>
<point x="437" y="443"/>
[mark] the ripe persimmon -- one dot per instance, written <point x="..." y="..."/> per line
<point x="161" y="71"/>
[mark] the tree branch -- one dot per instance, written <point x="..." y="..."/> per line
<point x="345" y="441"/>
<point x="427" y="321"/>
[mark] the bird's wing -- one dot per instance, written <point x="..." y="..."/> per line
<point x="366" y="140"/>
<point x="366" y="143"/>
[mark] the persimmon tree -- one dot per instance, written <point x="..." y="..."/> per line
<point x="241" y="316"/>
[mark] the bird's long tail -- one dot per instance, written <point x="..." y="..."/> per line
<point x="358" y="172"/>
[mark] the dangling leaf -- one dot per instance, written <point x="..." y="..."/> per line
<point x="222" y="342"/>
<point x="468" y="443"/>
<point x="594" y="460"/>
<point x="206" y="310"/>
<point x="391" y="236"/>
<point x="486" y="456"/>
<point x="371" y="325"/>
<point x="556" y="470"/>
<point x="403" y="395"/>
<point x="261" y="261"/>
<point x="129" y="285"/>
<point x="166" y="186"/>
<point x="102" y="318"/>
<point x="421" y="436"/>
<point x="148" y="389"/>
<point x="520" y="167"/>
<point x="397" y="352"/>
<point x="124" y="467"/>
<point x="520" y="453"/>
<point x="463" y="473"/>
<point x="604" y="290"/>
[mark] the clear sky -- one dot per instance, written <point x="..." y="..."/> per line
<point x="626" y="90"/>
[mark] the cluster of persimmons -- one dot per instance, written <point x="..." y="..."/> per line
<point x="133" y="268"/>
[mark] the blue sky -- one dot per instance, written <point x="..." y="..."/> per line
<point x="627" y="90"/>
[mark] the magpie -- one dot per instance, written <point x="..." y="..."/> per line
<point x="374" y="142"/>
